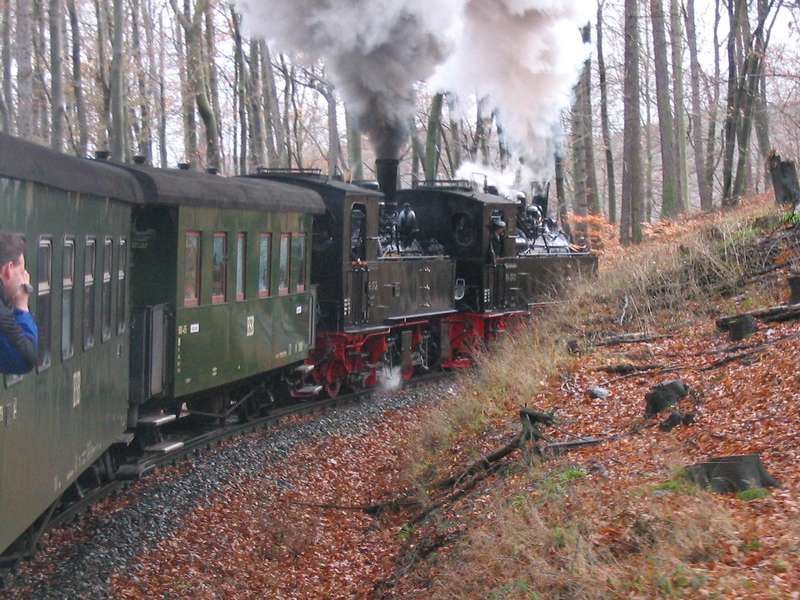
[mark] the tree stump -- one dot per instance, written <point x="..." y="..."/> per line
<point x="664" y="396"/>
<point x="794" y="289"/>
<point x="741" y="327"/>
<point x="727" y="474"/>
<point x="784" y="180"/>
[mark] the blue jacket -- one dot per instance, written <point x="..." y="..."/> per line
<point x="19" y="340"/>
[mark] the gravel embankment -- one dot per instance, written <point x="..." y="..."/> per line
<point x="79" y="561"/>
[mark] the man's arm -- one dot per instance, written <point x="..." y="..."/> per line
<point x="18" y="341"/>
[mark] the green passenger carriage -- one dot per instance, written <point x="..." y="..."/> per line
<point x="60" y="419"/>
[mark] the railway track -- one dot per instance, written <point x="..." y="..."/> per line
<point x="61" y="514"/>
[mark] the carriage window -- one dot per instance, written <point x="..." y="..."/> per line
<point x="264" y="261"/>
<point x="105" y="307"/>
<point x="219" y="282"/>
<point x="67" y="296"/>
<point x="241" y="262"/>
<point x="89" y="266"/>
<point x="44" y="279"/>
<point x="122" y="296"/>
<point x="358" y="232"/>
<point x="299" y="261"/>
<point x="283" y="266"/>
<point x="191" y="273"/>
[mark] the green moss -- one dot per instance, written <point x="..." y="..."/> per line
<point x="572" y="474"/>
<point x="752" y="494"/>
<point x="679" y="484"/>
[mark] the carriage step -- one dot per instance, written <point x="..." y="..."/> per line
<point x="164" y="447"/>
<point x="304" y="369"/>
<point x="308" y="391"/>
<point x="156" y="419"/>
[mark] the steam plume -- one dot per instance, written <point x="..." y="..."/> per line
<point x="523" y="55"/>
<point x="375" y="51"/>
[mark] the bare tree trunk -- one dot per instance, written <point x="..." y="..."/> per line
<point x="117" y="98"/>
<point x="712" y="117"/>
<point x="670" y="185"/>
<point x="697" y="120"/>
<point x="241" y="91"/>
<point x="56" y="77"/>
<point x="579" y="168"/>
<point x="24" y="56"/>
<point x="77" y="80"/>
<point x="104" y="118"/>
<point x="145" y="141"/>
<point x="731" y="121"/>
<point x="645" y="58"/>
<point x="8" y="98"/>
<point x="354" y="156"/>
<point x="334" y="148"/>
<point x="287" y="98"/>
<point x="676" y="40"/>
<point x="601" y="68"/>
<point x="630" y="223"/>
<point x="433" y="138"/>
<point x="213" y="77"/>
<point x="255" y="118"/>
<point x="272" y="111"/>
<point x="162" y="101"/>
<point x="41" y="116"/>
<point x="270" y="104"/>
<point x="592" y="191"/>
<point x="760" y="115"/>
<point x="561" y="196"/>
<point x="196" y="76"/>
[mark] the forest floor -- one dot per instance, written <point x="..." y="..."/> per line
<point x="619" y="519"/>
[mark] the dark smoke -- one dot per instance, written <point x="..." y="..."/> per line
<point x="375" y="51"/>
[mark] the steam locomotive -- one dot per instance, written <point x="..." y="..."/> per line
<point x="166" y="292"/>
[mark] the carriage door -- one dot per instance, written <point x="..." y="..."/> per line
<point x="358" y="276"/>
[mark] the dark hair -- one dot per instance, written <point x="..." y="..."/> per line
<point x="12" y="247"/>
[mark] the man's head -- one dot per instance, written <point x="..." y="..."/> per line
<point x="12" y="262"/>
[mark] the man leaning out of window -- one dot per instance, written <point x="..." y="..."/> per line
<point x="18" y="333"/>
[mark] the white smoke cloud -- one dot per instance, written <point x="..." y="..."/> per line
<point x="524" y="55"/>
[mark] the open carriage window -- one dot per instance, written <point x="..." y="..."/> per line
<point x="105" y="307"/>
<point x="67" y="297"/>
<point x="44" y="282"/>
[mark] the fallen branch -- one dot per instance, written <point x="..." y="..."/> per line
<point x="782" y="312"/>
<point x="628" y="368"/>
<point x="629" y="338"/>
<point x="482" y="463"/>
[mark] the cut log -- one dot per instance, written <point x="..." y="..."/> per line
<point x="741" y="327"/>
<point x="663" y="396"/>
<point x="782" y="312"/>
<point x="727" y="474"/>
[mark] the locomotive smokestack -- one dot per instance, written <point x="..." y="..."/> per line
<point x="386" y="169"/>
